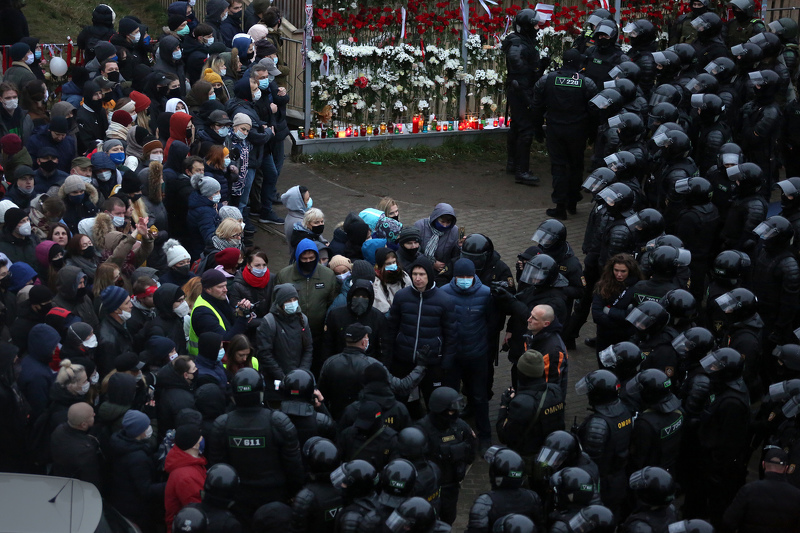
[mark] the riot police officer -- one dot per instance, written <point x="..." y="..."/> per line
<point x="605" y="54"/>
<point x="356" y="480"/>
<point x="761" y="126"/>
<point x="790" y="206"/>
<point x="572" y="489"/>
<point x="514" y="523"/>
<point x="712" y="131"/>
<point x="451" y="443"/>
<point x="524" y="70"/>
<point x="562" y="449"/>
<point x="618" y="198"/>
<point x="654" y="490"/>
<point x="785" y="397"/>
<point x="748" y="210"/>
<point x="657" y="433"/>
<point x="655" y="337"/>
<point x="743" y="331"/>
<point x="261" y="444"/>
<point x="590" y="519"/>
<point x="586" y="38"/>
<point x="297" y="391"/>
<point x="786" y="29"/>
<point x="318" y="503"/>
<point x="412" y="444"/>
<point x="541" y="283"/>
<point x="563" y="97"/>
<point x="415" y="515"/>
<point x="727" y="272"/>
<point x="709" y="43"/>
<point x="368" y="438"/>
<point x="623" y="359"/>
<point x="506" y="476"/>
<point x="642" y="34"/>
<point x="682" y="30"/>
<point x="219" y="491"/>
<point x="744" y="23"/>
<point x="663" y="263"/>
<point x="396" y="485"/>
<point x="191" y="520"/>
<point x="606" y="433"/>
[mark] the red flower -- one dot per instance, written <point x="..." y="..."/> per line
<point x="361" y="82"/>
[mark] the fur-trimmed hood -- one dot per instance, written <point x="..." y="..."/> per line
<point x="103" y="225"/>
<point x="94" y="196"/>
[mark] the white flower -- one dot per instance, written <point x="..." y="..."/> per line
<point x="423" y="105"/>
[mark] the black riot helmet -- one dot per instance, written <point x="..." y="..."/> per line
<point x="506" y="468"/>
<point x="357" y="478"/>
<point x="222" y="482"/>
<point x="593" y="519"/>
<point x="514" y="523"/>
<point x="248" y="387"/>
<point x="623" y="163"/>
<point x="297" y="390"/>
<point x="559" y="448"/>
<point x="412" y="444"/>
<point x="572" y="486"/>
<point x="725" y="364"/>
<point x="626" y="88"/>
<point x="769" y="42"/>
<point x="695" y="190"/>
<point x="606" y="103"/>
<point x="668" y="64"/>
<point x="415" y="515"/>
<point x="625" y="356"/>
<point x="190" y="520"/>
<point x="606" y="34"/>
<point x="738" y="304"/>
<point x="679" y="303"/>
<point x="479" y="249"/>
<point x="685" y="52"/>
<point x="694" y="343"/>
<point x="730" y="154"/>
<point x="445" y="399"/>
<point x="599" y="15"/>
<point x="776" y="232"/>
<point x="661" y="113"/>
<point x="627" y="70"/>
<point x="703" y="83"/>
<point x="599" y="179"/>
<point x="710" y="107"/>
<point x="665" y="260"/>
<point x="641" y="32"/>
<point x="600" y="386"/>
<point x="785" y="28"/>
<point x="672" y="144"/>
<point x="397" y="482"/>
<point x="722" y="68"/>
<point x="790" y="193"/>
<point x="694" y="525"/>
<point x="747" y="55"/>
<point x="630" y="126"/>
<point x="789" y="356"/>
<point x="526" y="22"/>
<point x="765" y="84"/>
<point x="550" y="234"/>
<point x="653" y="486"/>
<point x="320" y="456"/>
<point x="708" y="26"/>
<point x="653" y="386"/>
<point x="730" y="266"/>
<point x="665" y="92"/>
<point x="788" y="393"/>
<point x="646" y="224"/>
<point x="664" y="240"/>
<point x="747" y="177"/>
<point x="664" y="128"/>
<point x="542" y="271"/>
<point x="742" y="9"/>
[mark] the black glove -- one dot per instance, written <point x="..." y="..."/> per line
<point x="235" y="153"/>
<point x="505" y="398"/>
<point x="424" y="356"/>
<point x="503" y="296"/>
<point x="544" y="62"/>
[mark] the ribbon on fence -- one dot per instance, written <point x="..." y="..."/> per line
<point x="325" y="65"/>
<point x="465" y="18"/>
<point x="422" y="48"/>
<point x="505" y="30"/>
<point x="483" y="3"/>
<point x="403" y="23"/>
<point x="308" y="32"/>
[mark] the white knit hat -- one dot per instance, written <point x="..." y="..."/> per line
<point x="5" y="205"/>
<point x="175" y="252"/>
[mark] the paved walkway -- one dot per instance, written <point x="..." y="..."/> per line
<point x="510" y="231"/>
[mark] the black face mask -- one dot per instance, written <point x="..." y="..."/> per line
<point x="108" y="97"/>
<point x="44" y="309"/>
<point x="307" y="267"/>
<point x="135" y="197"/>
<point x="80" y="293"/>
<point x="163" y="90"/>
<point x="49" y="166"/>
<point x="175" y="93"/>
<point x="182" y="270"/>
<point x="113" y="76"/>
<point x="88" y="253"/>
<point x="94" y="105"/>
<point x="317" y="230"/>
<point x="359" y="305"/>
<point x="57" y="263"/>
<point x="5" y="283"/>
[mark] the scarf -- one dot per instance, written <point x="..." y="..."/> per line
<point x="244" y="162"/>
<point x="433" y="242"/>
<point x="220" y="243"/>
<point x="253" y="280"/>
<point x="117" y="131"/>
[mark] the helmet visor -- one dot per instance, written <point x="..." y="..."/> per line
<point x="698" y="100"/>
<point x="608" y="358"/>
<point x="592" y="184"/>
<point x="765" y="231"/>
<point x="581" y="524"/>
<point x="634" y="223"/>
<point x="776" y="27"/>
<point x="711" y="364"/>
<point x="797" y="334"/>
<point x="734" y="173"/>
<point x="533" y="274"/>
<point x="682" y="186"/>
<point x="700" y="24"/>
<point x="633" y="387"/>
<point x="778" y="392"/>
<point x="661" y="140"/>
<point x="694" y="86"/>
<point x="714" y="68"/>
<point x="605" y="30"/>
<point x="610" y="84"/>
<point x="338" y="476"/>
<point x="731" y="159"/>
<point x="397" y="524"/>
<point x="678" y="527"/>
<point x="544" y="238"/>
<point x="631" y="28"/>
<point x="791" y="408"/>
<point x="738" y="50"/>
<point x="787" y="188"/>
<point x="614" y="72"/>
<point x="639" y="319"/>
<point x="726" y="302"/>
<point x="637" y="481"/>
<point x="616" y="122"/>
<point x="491" y="452"/>
<point x="684" y="257"/>
<point x="550" y="458"/>
<point x="601" y="102"/>
<point x="582" y="387"/>
<point x="758" y="38"/>
<point x="613" y="162"/>
<point x="594" y="20"/>
<point x="660" y="58"/>
<point x="682" y="345"/>
<point x="756" y="78"/>
<point x="458" y="404"/>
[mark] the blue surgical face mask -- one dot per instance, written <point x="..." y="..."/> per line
<point x="224" y="131"/>
<point x="271" y="78"/>
<point x="176" y="55"/>
<point x="104" y="175"/>
<point x="291" y="307"/>
<point x="118" y="157"/>
<point x="221" y="354"/>
<point x="119" y="222"/>
<point x="259" y="272"/>
<point x="344" y="277"/>
<point x="227" y="162"/>
<point x="210" y="41"/>
<point x="275" y="60"/>
<point x="390" y="268"/>
<point x="263" y="84"/>
<point x="202" y="446"/>
<point x="146" y="40"/>
<point x="464" y="283"/>
<point x="37" y="54"/>
<point x="184" y="31"/>
<point x="310" y="203"/>
<point x="212" y="96"/>
<point x="240" y="134"/>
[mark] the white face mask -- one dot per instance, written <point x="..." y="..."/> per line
<point x="11" y="104"/>
<point x="104" y="175"/>
<point x="149" y="432"/>
<point x="46" y="95"/>
<point x="257" y="95"/>
<point x="137" y="37"/>
<point x="29" y="59"/>
<point x="182" y="310"/>
<point x="134" y="116"/>
<point x="85" y="387"/>
<point x="25" y="229"/>
<point x="118" y="222"/>
<point x="86" y="179"/>
<point x="91" y="342"/>
<point x="222" y="72"/>
<point x="216" y="198"/>
<point x="227" y="162"/>
<point x="223" y="17"/>
<point x="95" y="378"/>
<point x="125" y="315"/>
<point x="157" y="157"/>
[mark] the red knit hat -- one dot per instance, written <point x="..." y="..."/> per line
<point x="141" y="100"/>
<point x="228" y="258"/>
<point x="122" y="117"/>
<point x="11" y="143"/>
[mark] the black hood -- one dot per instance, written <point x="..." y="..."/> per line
<point x="363" y="285"/>
<point x="169" y="379"/>
<point x="165" y="297"/>
<point x="8" y="352"/>
<point x="425" y="263"/>
<point x="210" y="401"/>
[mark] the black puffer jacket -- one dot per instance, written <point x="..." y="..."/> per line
<point x="284" y="340"/>
<point x="134" y="488"/>
<point x="210" y="401"/>
<point x="419" y="319"/>
<point x="167" y="323"/>
<point x="380" y="344"/>
<point x="261" y="298"/>
<point x="173" y="393"/>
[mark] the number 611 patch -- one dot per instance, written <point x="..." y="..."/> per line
<point x="246" y="442"/>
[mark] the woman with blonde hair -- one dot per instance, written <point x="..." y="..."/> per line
<point x="311" y="227"/>
<point x="106" y="275"/>
<point x="389" y="207"/>
<point x="71" y="386"/>
<point x="228" y="235"/>
<point x="191" y="290"/>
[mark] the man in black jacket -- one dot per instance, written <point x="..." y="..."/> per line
<point x="368" y="438"/>
<point x="174" y="391"/>
<point x="75" y="453"/>
<point x="359" y="308"/>
<point x="377" y="388"/>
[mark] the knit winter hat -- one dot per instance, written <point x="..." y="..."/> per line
<point x="22" y="171"/>
<point x="127" y="26"/>
<point x="5" y="205"/>
<point x="241" y="118"/>
<point x="142" y="101"/>
<point x="362" y="270"/>
<point x="229" y="211"/>
<point x="463" y="268"/>
<point x="211" y="77"/>
<point x="134" y="423"/>
<point x="73" y="184"/>
<point x="175" y="252"/>
<point x="121" y="117"/>
<point x="111" y="143"/>
<point x="11" y="143"/>
<point x="112" y="297"/>
<point x="340" y="260"/>
<point x="409" y="233"/>
<point x="59" y="125"/>
<point x="531" y="364"/>
<point x="228" y="258"/>
<point x="39" y="294"/>
<point x="212" y="278"/>
<point x="19" y="51"/>
<point x="14" y="216"/>
<point x="121" y="389"/>
<point x="205" y="185"/>
<point x="186" y="436"/>
<point x="174" y="21"/>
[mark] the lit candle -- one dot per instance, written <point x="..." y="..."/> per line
<point x="494" y="123"/>
<point x="415" y="124"/>
<point x="341" y="134"/>
<point x="502" y="121"/>
<point x="383" y="128"/>
<point x="369" y="130"/>
<point x="363" y="130"/>
<point x="462" y="126"/>
<point x="438" y="127"/>
<point x="348" y="132"/>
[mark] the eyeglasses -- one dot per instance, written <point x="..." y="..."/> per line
<point x="237" y="235"/>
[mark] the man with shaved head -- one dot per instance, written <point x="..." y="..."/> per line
<point x="75" y="453"/>
<point x="544" y="336"/>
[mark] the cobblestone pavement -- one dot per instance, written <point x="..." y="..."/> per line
<point x="510" y="230"/>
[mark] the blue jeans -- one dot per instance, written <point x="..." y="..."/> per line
<point x="270" y="180"/>
<point x="244" y="199"/>
<point x="278" y="154"/>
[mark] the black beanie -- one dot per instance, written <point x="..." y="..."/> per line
<point x="208" y="345"/>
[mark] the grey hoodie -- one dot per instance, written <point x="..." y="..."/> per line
<point x="448" y="242"/>
<point x="284" y="340"/>
<point x="293" y="201"/>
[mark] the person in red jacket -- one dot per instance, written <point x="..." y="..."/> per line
<point x="186" y="467"/>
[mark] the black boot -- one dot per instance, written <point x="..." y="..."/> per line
<point x="559" y="212"/>
<point x="526" y="178"/>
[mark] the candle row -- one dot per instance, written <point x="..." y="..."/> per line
<point x="417" y="125"/>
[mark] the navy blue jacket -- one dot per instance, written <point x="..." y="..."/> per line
<point x="41" y="138"/>
<point x="418" y="319"/>
<point x="202" y="221"/>
<point x="35" y="381"/>
<point x="213" y="369"/>
<point x="473" y="309"/>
